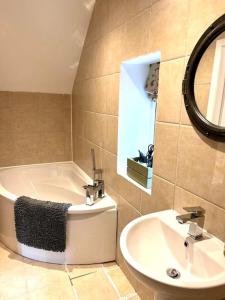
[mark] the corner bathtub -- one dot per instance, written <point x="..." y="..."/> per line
<point x="91" y="230"/>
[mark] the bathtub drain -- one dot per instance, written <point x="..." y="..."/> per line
<point x="173" y="273"/>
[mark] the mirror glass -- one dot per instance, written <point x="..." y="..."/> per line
<point x="209" y="85"/>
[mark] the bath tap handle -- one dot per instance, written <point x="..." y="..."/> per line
<point x="97" y="173"/>
<point x="93" y="159"/>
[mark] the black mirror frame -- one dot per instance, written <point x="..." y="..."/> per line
<point x="207" y="128"/>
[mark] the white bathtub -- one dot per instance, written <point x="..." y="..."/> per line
<point x="91" y="230"/>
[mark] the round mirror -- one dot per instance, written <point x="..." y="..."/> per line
<point x="209" y="82"/>
<point x="204" y="82"/>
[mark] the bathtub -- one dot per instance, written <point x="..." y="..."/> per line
<point x="91" y="230"/>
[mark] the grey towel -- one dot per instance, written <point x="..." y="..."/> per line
<point x="41" y="224"/>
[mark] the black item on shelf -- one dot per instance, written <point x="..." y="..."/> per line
<point x="150" y="154"/>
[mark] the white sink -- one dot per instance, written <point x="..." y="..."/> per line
<point x="154" y="243"/>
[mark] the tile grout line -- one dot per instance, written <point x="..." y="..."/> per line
<point x="79" y="276"/>
<point x="111" y="281"/>
<point x="96" y="77"/>
<point x="71" y="283"/>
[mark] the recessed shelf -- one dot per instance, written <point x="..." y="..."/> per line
<point x="136" y="121"/>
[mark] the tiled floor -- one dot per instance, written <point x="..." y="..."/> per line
<point x="25" y="279"/>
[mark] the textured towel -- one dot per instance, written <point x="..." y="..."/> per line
<point x="41" y="224"/>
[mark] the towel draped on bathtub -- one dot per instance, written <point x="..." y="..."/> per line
<point x="41" y="224"/>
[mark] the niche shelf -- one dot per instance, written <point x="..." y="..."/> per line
<point x="136" y="122"/>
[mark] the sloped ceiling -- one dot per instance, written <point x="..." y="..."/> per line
<point x="41" y="43"/>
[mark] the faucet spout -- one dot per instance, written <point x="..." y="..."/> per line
<point x="196" y="217"/>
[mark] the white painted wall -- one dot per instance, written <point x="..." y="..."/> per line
<point x="41" y="43"/>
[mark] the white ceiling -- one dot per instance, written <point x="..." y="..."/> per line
<point x="41" y="43"/>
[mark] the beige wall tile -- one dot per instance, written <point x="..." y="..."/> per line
<point x="161" y="198"/>
<point x="109" y="163"/>
<point x="165" y="157"/>
<point x="110" y="134"/>
<point x="184" y="198"/>
<point x="163" y="193"/>
<point x="117" y="16"/>
<point x="112" y="193"/>
<point x="49" y="143"/>
<point x="168" y="27"/>
<point x="100" y="92"/>
<point x="97" y="29"/>
<point x="113" y="99"/>
<point x="95" y="128"/>
<point x="184" y="115"/>
<point x="7" y="122"/>
<point x="201" y="166"/>
<point x="126" y="213"/>
<point x="111" y="51"/>
<point x="25" y="112"/>
<point x="137" y="35"/>
<point x="147" y="203"/>
<point x="51" y="120"/>
<point x="86" y="65"/>
<point x="5" y="100"/>
<point x="201" y="15"/>
<point x="99" y="63"/>
<point x="83" y="155"/>
<point x="27" y="125"/>
<point x="79" y="117"/>
<point x="7" y="151"/>
<point x="27" y="148"/>
<point x="130" y="193"/>
<point x="170" y="91"/>
<point x="105" y="96"/>
<point x="135" y="7"/>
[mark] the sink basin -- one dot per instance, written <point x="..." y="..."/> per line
<point x="154" y="244"/>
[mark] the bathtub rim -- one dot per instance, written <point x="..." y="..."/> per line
<point x="100" y="205"/>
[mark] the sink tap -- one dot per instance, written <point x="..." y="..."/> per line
<point x="97" y="189"/>
<point x="195" y="215"/>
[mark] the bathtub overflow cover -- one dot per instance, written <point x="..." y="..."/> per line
<point x="173" y="273"/>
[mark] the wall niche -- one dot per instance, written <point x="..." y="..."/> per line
<point x="137" y="113"/>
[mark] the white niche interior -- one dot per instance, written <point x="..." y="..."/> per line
<point x="136" y="123"/>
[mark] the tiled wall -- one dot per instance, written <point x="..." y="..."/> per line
<point x="34" y="128"/>
<point x="188" y="168"/>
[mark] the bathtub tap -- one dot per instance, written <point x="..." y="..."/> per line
<point x="93" y="192"/>
<point x="97" y="189"/>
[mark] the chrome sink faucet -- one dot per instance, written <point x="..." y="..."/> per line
<point x="97" y="189"/>
<point x="196" y="217"/>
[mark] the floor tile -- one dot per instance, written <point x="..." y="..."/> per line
<point x="80" y="270"/>
<point x="26" y="279"/>
<point x="121" y="282"/>
<point x="94" y="286"/>
<point x="110" y="265"/>
<point x="135" y="298"/>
